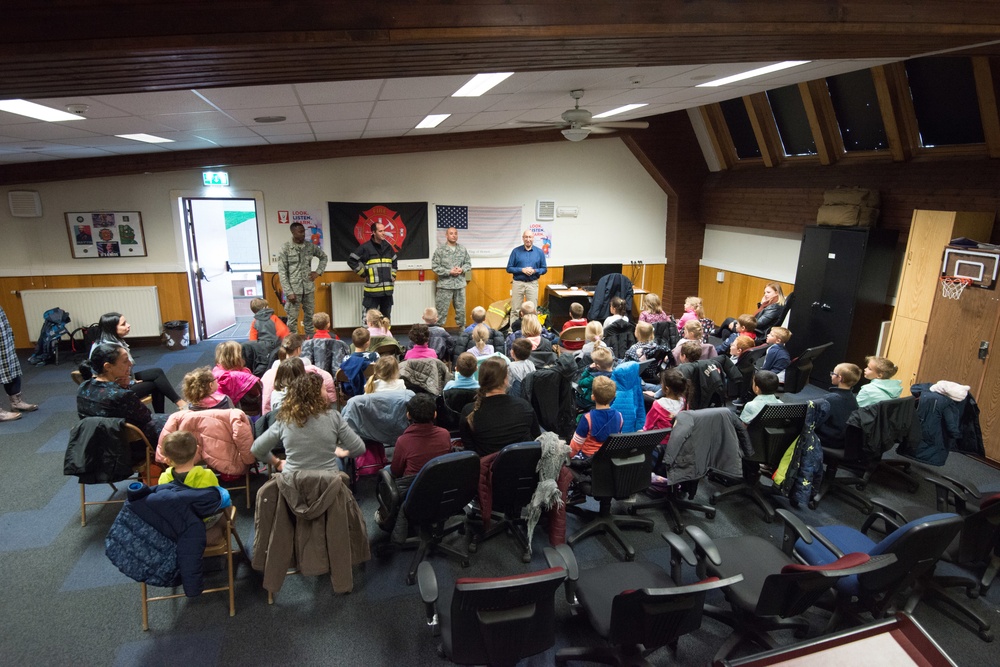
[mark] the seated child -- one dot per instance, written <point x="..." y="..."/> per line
<point x="266" y="326"/>
<point x="618" y="311"/>
<point x="833" y="429"/>
<point x="354" y="365"/>
<point x="644" y="346"/>
<point x="480" y="338"/>
<point x="235" y="380"/>
<point x="181" y="449"/>
<point x="777" y="359"/>
<point x="201" y="390"/>
<point x="522" y="365"/>
<point x="378" y="324"/>
<point x="386" y="376"/>
<point x="652" y="311"/>
<point x="765" y="383"/>
<point x="321" y="323"/>
<point x="739" y="346"/>
<point x="693" y="310"/>
<point x="418" y="444"/>
<point x="604" y="362"/>
<point x="879" y="388"/>
<point x="420" y="335"/>
<point x="745" y="326"/>
<point x="694" y="332"/>
<point x="674" y="389"/>
<point x="438" y="338"/>
<point x="478" y="317"/>
<point x="592" y="338"/>
<point x="576" y="320"/>
<point x="465" y="373"/>
<point x="595" y="426"/>
<point x="288" y="370"/>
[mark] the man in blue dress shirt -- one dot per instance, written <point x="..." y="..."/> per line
<point x="526" y="264"/>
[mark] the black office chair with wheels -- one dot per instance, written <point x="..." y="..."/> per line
<point x="771" y="431"/>
<point x="637" y="607"/>
<point x="746" y="364"/>
<point x="619" y="469"/>
<point x="440" y="491"/>
<point x="513" y="480"/>
<point x="495" y="621"/>
<point x="798" y="371"/>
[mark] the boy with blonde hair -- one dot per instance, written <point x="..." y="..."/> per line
<point x="644" y="346"/>
<point x="604" y="362"/>
<point x="880" y="388"/>
<point x="180" y="448"/>
<point x="354" y="365"/>
<point x="777" y="359"/>
<point x="321" y="324"/>
<point x="595" y="426"/>
<point x="576" y="320"/>
<point x="832" y="430"/>
<point x="478" y="315"/>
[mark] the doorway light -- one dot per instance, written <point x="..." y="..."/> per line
<point x="37" y="111"/>
<point x="433" y="120"/>
<point x="624" y="109"/>
<point x="481" y="83"/>
<point x="760" y="71"/>
<point x="148" y="138"/>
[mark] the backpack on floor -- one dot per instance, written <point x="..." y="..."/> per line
<point x="54" y="321"/>
<point x="83" y="338"/>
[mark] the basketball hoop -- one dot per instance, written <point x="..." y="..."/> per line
<point x="953" y="286"/>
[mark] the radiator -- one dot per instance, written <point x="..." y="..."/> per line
<point x="139" y="305"/>
<point x="410" y="297"/>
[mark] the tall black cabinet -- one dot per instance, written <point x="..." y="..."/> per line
<point x="840" y="294"/>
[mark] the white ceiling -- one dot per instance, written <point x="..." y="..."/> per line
<point x="224" y="117"/>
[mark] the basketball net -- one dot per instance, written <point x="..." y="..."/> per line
<point x="953" y="286"/>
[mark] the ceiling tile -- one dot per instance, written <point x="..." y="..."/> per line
<point x="246" y="116"/>
<point x="144" y="104"/>
<point x="339" y="91"/>
<point x="325" y="112"/>
<point x="283" y="129"/>
<point x="421" y="87"/>
<point x="201" y="120"/>
<point x="403" y="108"/>
<point x="250" y="97"/>
<point x="339" y="126"/>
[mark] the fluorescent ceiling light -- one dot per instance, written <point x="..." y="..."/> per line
<point x="37" y="111"/>
<point x="432" y="120"/>
<point x="760" y="71"/>
<point x="481" y="83"/>
<point x="148" y="138"/>
<point x="615" y="112"/>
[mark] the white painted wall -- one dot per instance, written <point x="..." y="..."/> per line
<point x="622" y="211"/>
<point x="755" y="252"/>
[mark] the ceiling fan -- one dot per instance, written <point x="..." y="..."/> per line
<point x="577" y="122"/>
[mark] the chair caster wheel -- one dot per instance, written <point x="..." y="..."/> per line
<point x="473" y="547"/>
<point x="709" y="515"/>
<point x="713" y="500"/>
<point x="410" y="580"/>
<point x="526" y="557"/>
<point x="465" y="563"/>
<point x="630" y="511"/>
<point x="986" y="635"/>
<point x="813" y="504"/>
<point x="678" y="529"/>
<point x="629" y="557"/>
<point x="972" y="592"/>
<point x="648" y="529"/>
<point x="768" y="518"/>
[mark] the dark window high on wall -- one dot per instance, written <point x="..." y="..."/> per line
<point x="740" y="129"/>
<point x="945" y="101"/>
<point x="793" y="124"/>
<point x="856" y="107"/>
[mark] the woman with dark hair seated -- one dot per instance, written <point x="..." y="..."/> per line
<point x="107" y="392"/>
<point x="149" y="382"/>
<point x="495" y="419"/>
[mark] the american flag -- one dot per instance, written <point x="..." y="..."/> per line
<point x="485" y="231"/>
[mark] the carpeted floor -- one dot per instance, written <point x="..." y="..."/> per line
<point x="64" y="603"/>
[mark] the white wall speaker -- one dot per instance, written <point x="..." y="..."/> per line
<point x="24" y="204"/>
<point x="545" y="209"/>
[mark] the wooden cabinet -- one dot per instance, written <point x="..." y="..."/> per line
<point x="840" y="290"/>
<point x="930" y="232"/>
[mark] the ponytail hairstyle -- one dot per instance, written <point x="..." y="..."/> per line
<point x="291" y="346"/>
<point x="375" y="319"/>
<point x="197" y="385"/>
<point x="288" y="370"/>
<point x="694" y="303"/>
<point x="480" y="335"/>
<point x="385" y="369"/>
<point x="492" y="376"/>
<point x="673" y="380"/>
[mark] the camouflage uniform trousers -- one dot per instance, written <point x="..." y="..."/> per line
<point x="306" y="303"/>
<point x="443" y="298"/>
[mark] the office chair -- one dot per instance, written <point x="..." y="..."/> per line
<point x="513" y="481"/>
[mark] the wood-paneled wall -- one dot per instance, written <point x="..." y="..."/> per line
<point x="172" y="291"/>
<point x="738" y="293"/>
<point x="487" y="286"/>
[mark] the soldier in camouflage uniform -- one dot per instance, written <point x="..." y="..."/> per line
<point x="297" y="277"/>
<point x="450" y="263"/>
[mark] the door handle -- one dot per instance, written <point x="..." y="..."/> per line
<point x="229" y="269"/>
<point x="201" y="275"/>
<point x="825" y="307"/>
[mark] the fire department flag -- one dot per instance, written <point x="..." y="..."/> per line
<point x="405" y="227"/>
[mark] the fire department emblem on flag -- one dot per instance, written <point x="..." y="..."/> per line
<point x="395" y="228"/>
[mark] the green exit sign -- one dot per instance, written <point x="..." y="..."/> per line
<point x="215" y="177"/>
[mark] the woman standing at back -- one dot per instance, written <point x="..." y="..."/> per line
<point x="148" y="382"/>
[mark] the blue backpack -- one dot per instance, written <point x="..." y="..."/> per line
<point x="53" y="329"/>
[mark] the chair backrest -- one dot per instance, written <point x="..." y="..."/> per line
<point x="514" y="476"/>
<point x="875" y="429"/>
<point x="442" y="488"/>
<point x="573" y="333"/>
<point x="774" y="429"/>
<point x="500" y="621"/>
<point x="450" y="406"/>
<point x="746" y="364"/>
<point x="654" y="617"/>
<point x="798" y="587"/>
<point x="623" y="464"/>
<point x="391" y="348"/>
<point x="797" y="373"/>
<point x="981" y="531"/>
<point x="666" y="333"/>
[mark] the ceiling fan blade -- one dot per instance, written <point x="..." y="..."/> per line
<point x="540" y="128"/>
<point x="624" y="124"/>
<point x="547" y="123"/>
<point x="598" y="129"/>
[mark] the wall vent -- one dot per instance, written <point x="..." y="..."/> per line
<point x="24" y="204"/>
<point x="545" y="209"/>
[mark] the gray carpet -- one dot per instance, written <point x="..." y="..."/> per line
<point x="64" y="603"/>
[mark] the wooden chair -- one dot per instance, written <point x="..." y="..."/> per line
<point x="340" y="380"/>
<point x="223" y="548"/>
<point x="572" y="334"/>
<point x="244" y="487"/>
<point x="134" y="434"/>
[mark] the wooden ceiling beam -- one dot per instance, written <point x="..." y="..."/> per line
<point x="822" y="120"/>
<point x="987" y="94"/>
<point x="765" y="129"/>
<point x="887" y="91"/>
<point x="718" y="134"/>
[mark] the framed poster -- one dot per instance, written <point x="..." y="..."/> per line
<point x="105" y="234"/>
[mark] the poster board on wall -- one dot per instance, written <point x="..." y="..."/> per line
<point x="97" y="234"/>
